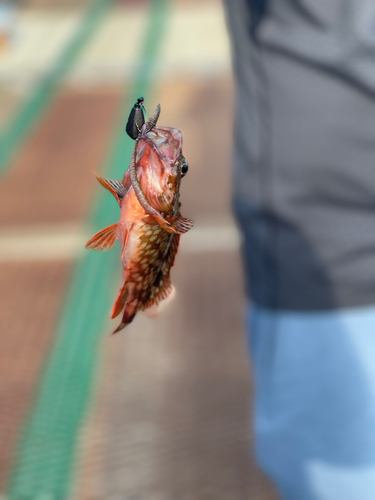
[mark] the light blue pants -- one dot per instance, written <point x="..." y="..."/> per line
<point x="315" y="401"/>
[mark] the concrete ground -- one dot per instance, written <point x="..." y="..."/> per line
<point x="168" y="417"/>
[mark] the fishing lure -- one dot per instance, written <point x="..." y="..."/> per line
<point x="150" y="223"/>
<point x="136" y="119"/>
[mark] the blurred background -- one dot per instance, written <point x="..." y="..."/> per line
<point x="161" y="410"/>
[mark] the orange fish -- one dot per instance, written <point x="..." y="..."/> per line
<point x="150" y="222"/>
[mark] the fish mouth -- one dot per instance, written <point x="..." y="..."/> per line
<point x="172" y="223"/>
<point x="146" y="205"/>
<point x="167" y="142"/>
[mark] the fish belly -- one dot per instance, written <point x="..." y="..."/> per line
<point x="146" y="259"/>
<point x="144" y="256"/>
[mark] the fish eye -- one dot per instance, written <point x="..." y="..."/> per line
<point x="184" y="168"/>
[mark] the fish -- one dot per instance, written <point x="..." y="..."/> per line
<point x="150" y="223"/>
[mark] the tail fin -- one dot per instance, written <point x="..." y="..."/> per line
<point x="118" y="306"/>
<point x="104" y="239"/>
<point x="126" y="320"/>
<point x="131" y="305"/>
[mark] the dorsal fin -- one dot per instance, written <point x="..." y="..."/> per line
<point x="115" y="187"/>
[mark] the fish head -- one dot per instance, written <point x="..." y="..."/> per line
<point x="160" y="166"/>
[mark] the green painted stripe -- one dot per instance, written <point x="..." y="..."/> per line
<point x="34" y="106"/>
<point x="47" y="452"/>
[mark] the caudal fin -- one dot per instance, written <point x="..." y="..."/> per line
<point x="104" y="239"/>
<point x="118" y="306"/>
<point x="127" y="318"/>
<point x="125" y="299"/>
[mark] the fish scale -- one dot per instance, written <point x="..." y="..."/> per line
<point x="144" y="270"/>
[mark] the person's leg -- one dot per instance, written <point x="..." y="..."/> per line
<point x="315" y="401"/>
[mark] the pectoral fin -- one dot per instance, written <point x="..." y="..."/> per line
<point x="104" y="239"/>
<point x="175" y="224"/>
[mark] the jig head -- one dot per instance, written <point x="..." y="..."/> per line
<point x="136" y="119"/>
